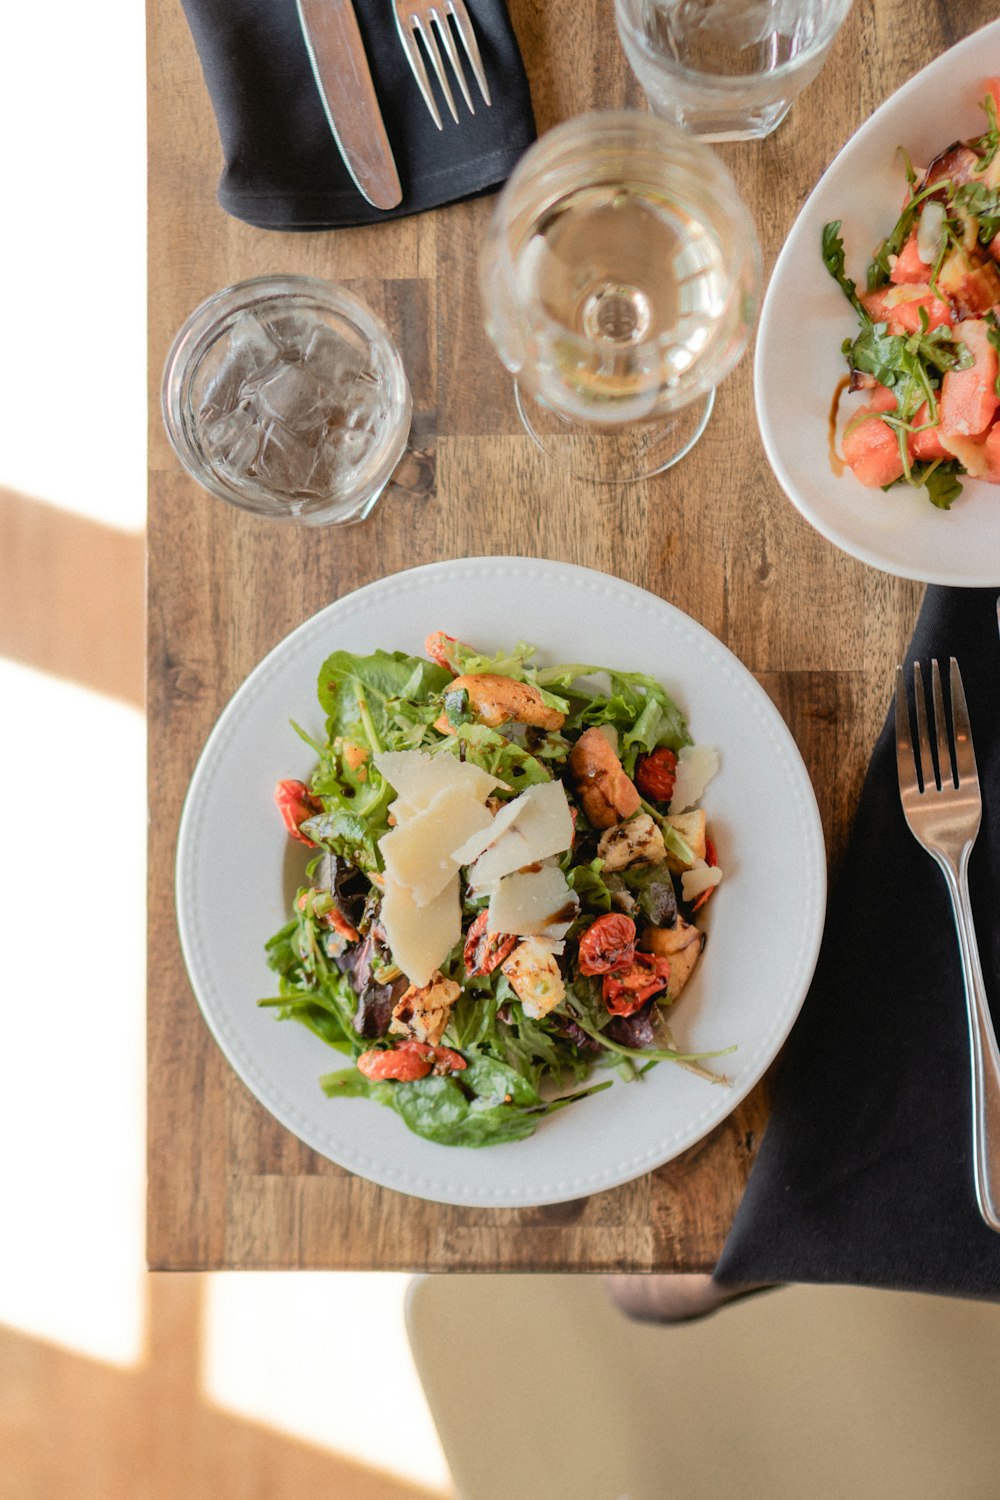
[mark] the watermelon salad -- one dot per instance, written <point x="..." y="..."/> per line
<point x="924" y="362"/>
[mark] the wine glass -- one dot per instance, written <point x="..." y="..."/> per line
<point x="620" y="277"/>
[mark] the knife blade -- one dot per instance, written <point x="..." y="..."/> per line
<point x="343" y="77"/>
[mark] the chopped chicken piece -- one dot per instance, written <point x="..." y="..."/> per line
<point x="534" y="977"/>
<point x="495" y="700"/>
<point x="691" y="827"/>
<point x="605" y="791"/>
<point x="423" y="1013"/>
<point x="634" y="842"/>
<point x="681" y="944"/>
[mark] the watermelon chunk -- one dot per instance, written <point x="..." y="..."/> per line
<point x="871" y="447"/>
<point x="968" y="397"/>
<point x="899" y="307"/>
<point x="909" y="267"/>
<point x="926" y="446"/>
<point x="991" y="447"/>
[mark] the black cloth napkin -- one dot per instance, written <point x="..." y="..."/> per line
<point x="864" y="1174"/>
<point x="282" y="166"/>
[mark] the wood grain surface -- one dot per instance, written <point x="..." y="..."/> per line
<point x="228" y="1186"/>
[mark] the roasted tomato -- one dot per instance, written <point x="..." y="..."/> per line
<point x="484" y="950"/>
<point x="627" y="990"/>
<point x="408" y="1061"/>
<point x="441" y="649"/>
<point x="296" y="803"/>
<point x="655" y="774"/>
<point x="608" y="943"/>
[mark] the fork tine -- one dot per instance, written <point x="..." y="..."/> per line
<point x="456" y="9"/>
<point x="925" y="760"/>
<point x="945" y="764"/>
<point x="965" y="755"/>
<point x="412" y="49"/>
<point x="906" y="766"/>
<point x="448" y="43"/>
<point x="427" y="32"/>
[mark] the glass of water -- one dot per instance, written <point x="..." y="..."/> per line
<point x="620" y="279"/>
<point x="727" y="70"/>
<point x="286" y="396"/>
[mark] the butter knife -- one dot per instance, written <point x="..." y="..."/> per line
<point x="345" y="85"/>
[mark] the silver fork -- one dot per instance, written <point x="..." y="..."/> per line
<point x="939" y="790"/>
<point x="429" y="22"/>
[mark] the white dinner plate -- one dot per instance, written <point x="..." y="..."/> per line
<point x="805" y="319"/>
<point x="764" y="922"/>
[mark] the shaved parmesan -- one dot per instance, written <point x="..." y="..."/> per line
<point x="696" y="765"/>
<point x="701" y="878"/>
<point x="418" y="851"/>
<point x="533" y="902"/>
<point x="545" y="819"/>
<point x="421" y="937"/>
<point x="541" y="826"/>
<point x="418" y="778"/>
<point x="509" y="853"/>
<point x="474" y="847"/>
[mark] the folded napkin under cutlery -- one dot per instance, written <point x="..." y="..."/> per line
<point x="282" y="166"/>
<point x="864" y="1174"/>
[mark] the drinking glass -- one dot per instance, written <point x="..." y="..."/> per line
<point x="620" y="278"/>
<point x="286" y="396"/>
<point x="727" y="70"/>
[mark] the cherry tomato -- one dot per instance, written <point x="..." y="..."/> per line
<point x="608" y="943"/>
<point x="627" y="990"/>
<point x="440" y="649"/>
<point x="484" y="950"/>
<point x="655" y="774"/>
<point x="446" y="1059"/>
<point x="402" y="1063"/>
<point x="407" y="1061"/>
<point x="296" y="803"/>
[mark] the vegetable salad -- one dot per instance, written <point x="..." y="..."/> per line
<point x="475" y="1044"/>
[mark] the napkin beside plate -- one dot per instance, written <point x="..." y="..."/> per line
<point x="282" y="166"/>
<point x="864" y="1175"/>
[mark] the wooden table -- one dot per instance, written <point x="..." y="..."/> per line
<point x="228" y="1186"/>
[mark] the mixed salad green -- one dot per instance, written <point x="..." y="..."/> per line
<point x="511" y="1026"/>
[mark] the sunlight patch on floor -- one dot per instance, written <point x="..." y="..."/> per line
<point x="324" y="1356"/>
<point x="73" y="384"/>
<point x="71" y="1064"/>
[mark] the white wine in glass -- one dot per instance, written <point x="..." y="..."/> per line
<point x="620" y="278"/>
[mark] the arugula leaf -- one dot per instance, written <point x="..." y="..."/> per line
<point x="988" y="144"/>
<point x="880" y="271"/>
<point x="941" y="482"/>
<point x="833" y="259"/>
<point x="982" y="203"/>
